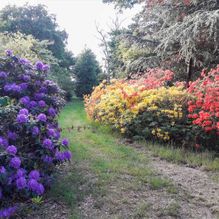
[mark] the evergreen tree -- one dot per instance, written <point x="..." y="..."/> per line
<point x="86" y="71"/>
<point x="181" y="35"/>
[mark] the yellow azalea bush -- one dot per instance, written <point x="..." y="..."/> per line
<point x="141" y="110"/>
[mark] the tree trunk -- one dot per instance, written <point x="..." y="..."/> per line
<point x="189" y="72"/>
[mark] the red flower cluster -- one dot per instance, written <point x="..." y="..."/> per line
<point x="204" y="110"/>
<point x="153" y="78"/>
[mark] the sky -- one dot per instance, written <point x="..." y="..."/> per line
<point x="79" y="18"/>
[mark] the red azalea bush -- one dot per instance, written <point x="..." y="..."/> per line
<point x="30" y="143"/>
<point x="153" y="78"/>
<point x="204" y="109"/>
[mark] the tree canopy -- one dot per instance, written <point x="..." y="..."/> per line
<point x="36" y="21"/>
<point x="169" y="34"/>
<point x="86" y="70"/>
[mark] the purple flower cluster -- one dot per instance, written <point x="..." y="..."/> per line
<point x="7" y="212"/>
<point x="40" y="66"/>
<point x="22" y="118"/>
<point x="11" y="150"/>
<point x="30" y="137"/>
<point x="3" y="75"/>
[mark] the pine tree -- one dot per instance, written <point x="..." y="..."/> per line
<point x="86" y="71"/>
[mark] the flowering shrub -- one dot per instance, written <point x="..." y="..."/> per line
<point x="147" y="107"/>
<point x="143" y="107"/>
<point x="29" y="132"/>
<point x="204" y="108"/>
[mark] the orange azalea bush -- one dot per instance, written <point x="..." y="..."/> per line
<point x="148" y="108"/>
<point x="143" y="107"/>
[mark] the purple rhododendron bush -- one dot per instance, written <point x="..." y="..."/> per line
<point x="30" y="144"/>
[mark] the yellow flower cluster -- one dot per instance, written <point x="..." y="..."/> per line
<point x="121" y="103"/>
<point x="161" y="134"/>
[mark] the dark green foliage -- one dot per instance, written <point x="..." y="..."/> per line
<point x="86" y="71"/>
<point x="64" y="78"/>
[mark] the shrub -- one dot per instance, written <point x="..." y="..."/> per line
<point x="143" y="107"/>
<point x="204" y="108"/>
<point x="148" y="108"/>
<point x="29" y="132"/>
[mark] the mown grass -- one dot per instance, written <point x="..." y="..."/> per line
<point x="99" y="159"/>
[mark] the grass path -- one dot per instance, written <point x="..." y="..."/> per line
<point x="110" y="179"/>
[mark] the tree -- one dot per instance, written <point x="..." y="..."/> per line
<point x="40" y="28"/>
<point x="36" y="21"/>
<point x="110" y="42"/>
<point x="27" y="46"/>
<point x="86" y="70"/>
<point x="181" y="35"/>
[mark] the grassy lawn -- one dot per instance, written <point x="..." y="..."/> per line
<point x="99" y="160"/>
<point x="108" y="169"/>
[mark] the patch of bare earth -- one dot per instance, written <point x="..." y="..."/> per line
<point x="196" y="182"/>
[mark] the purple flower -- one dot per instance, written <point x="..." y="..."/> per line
<point x="26" y="78"/>
<point x="21" y="183"/>
<point x="23" y="86"/>
<point x="59" y="156"/>
<point x="65" y="142"/>
<point x="25" y="100"/>
<point x="2" y="170"/>
<point x="3" y="75"/>
<point x="35" y="131"/>
<point x="12" y="135"/>
<point x="41" y="117"/>
<point x="33" y="104"/>
<point x="47" y="143"/>
<point x="22" y="118"/>
<point x="11" y="150"/>
<point x="39" y="96"/>
<point x="40" y="189"/>
<point x="39" y="66"/>
<point x="12" y="88"/>
<point x="24" y="111"/>
<point x="42" y="104"/>
<point x="47" y="159"/>
<point x="15" y="162"/>
<point x="20" y="172"/>
<point x="67" y="155"/>
<point x="43" y="90"/>
<point x="52" y="111"/>
<point x="3" y="142"/>
<point x="7" y="212"/>
<point x="51" y="133"/>
<point x="36" y="187"/>
<point x="34" y="174"/>
<point x="9" y="52"/>
<point x="24" y="61"/>
<point x="46" y="68"/>
<point x="32" y="184"/>
<point x="57" y="134"/>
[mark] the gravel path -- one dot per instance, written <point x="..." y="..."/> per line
<point x="195" y="182"/>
